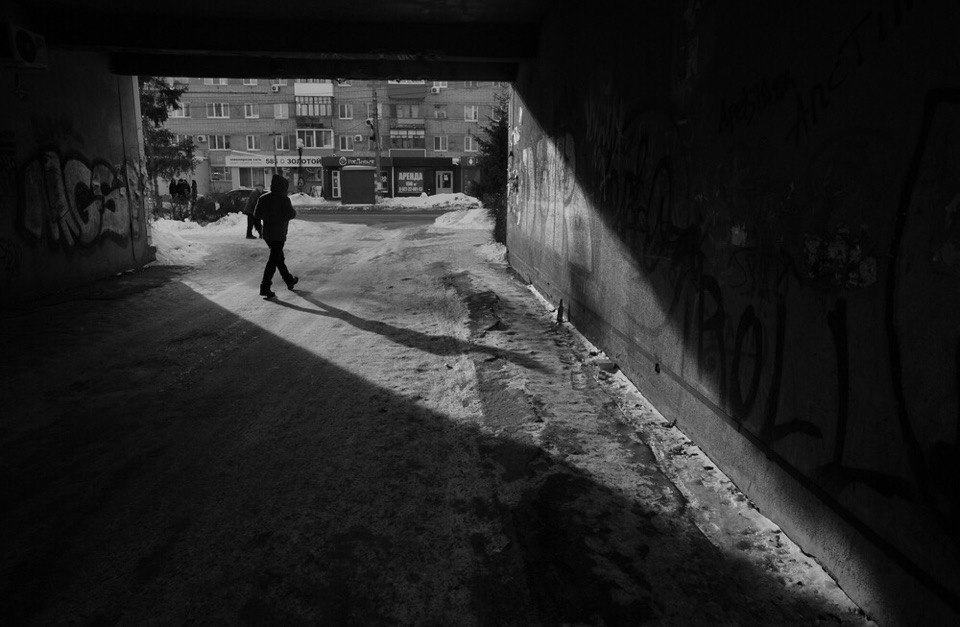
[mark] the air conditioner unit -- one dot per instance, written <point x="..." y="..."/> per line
<point x="358" y="138"/>
<point x="201" y="138"/>
<point x="22" y="48"/>
<point x="275" y="88"/>
<point x="434" y="90"/>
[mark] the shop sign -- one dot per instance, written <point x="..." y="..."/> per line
<point x="267" y="161"/>
<point x="345" y="161"/>
<point x="409" y="181"/>
<point x="245" y="161"/>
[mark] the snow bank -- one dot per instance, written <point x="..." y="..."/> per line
<point x="437" y="201"/>
<point x="227" y="223"/>
<point x="300" y="200"/>
<point x="172" y="226"/>
<point x="172" y="249"/>
<point x="493" y="251"/>
<point x="465" y="219"/>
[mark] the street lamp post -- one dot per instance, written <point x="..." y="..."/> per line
<point x="274" y="135"/>
<point x="299" y="164"/>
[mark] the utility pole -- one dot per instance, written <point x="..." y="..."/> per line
<point x="376" y="138"/>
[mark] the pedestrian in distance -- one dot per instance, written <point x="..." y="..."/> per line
<point x="248" y="208"/>
<point x="275" y="210"/>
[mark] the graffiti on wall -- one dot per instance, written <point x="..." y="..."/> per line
<point x="922" y="301"/>
<point x="556" y="209"/>
<point x="11" y="256"/>
<point x="719" y="261"/>
<point x="71" y="201"/>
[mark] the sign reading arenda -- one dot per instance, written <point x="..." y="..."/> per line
<point x="409" y="181"/>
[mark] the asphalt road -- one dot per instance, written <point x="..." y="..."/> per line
<point x="385" y="219"/>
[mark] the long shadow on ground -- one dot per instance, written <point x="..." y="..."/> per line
<point x="193" y="467"/>
<point x="436" y="344"/>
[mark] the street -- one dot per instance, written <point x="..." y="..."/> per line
<point x="406" y="438"/>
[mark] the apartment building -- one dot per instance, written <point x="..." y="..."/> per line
<point x="311" y="129"/>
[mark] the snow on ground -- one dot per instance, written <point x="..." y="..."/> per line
<point x="300" y="200"/>
<point x="437" y="201"/>
<point x="402" y="360"/>
<point x="465" y="219"/>
<point x="172" y="248"/>
<point x="493" y="251"/>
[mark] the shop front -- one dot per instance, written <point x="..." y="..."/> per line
<point x="413" y="176"/>
<point x="249" y="170"/>
<point x="399" y="176"/>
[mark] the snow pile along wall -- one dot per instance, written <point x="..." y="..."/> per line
<point x="171" y="248"/>
<point x="71" y="182"/>
<point x="754" y="211"/>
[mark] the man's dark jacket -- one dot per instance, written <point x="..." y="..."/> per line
<point x="276" y="211"/>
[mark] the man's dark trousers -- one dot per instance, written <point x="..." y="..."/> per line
<point x="253" y="223"/>
<point x="275" y="262"/>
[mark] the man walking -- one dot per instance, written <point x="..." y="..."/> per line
<point x="276" y="211"/>
<point x="251" y="204"/>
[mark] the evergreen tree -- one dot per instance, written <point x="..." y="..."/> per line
<point x="166" y="157"/>
<point x="493" y="166"/>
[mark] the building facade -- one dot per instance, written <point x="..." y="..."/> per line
<point x="310" y="129"/>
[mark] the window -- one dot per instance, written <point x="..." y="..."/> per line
<point x="279" y="81"/>
<point x="469" y="83"/>
<point x="314" y="106"/>
<point x="251" y="176"/>
<point x="214" y="81"/>
<point x="440" y="84"/>
<point x="471" y="113"/>
<point x="440" y="143"/>
<point x="182" y="112"/>
<point x="407" y="138"/>
<point x="440" y="112"/>
<point x="253" y="142"/>
<point x="404" y="111"/>
<point x="346" y="142"/>
<point x="251" y="110"/>
<point x="497" y="84"/>
<point x="316" y="137"/>
<point x="345" y="111"/>
<point x="335" y="183"/>
<point x="249" y="81"/>
<point x="218" y="173"/>
<point x="281" y="142"/>
<point x="281" y="111"/>
<point x="470" y="143"/>
<point x="219" y="142"/>
<point x="218" y="110"/>
<point x="312" y="80"/>
<point x="370" y="110"/>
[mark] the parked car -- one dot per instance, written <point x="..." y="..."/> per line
<point x="235" y="200"/>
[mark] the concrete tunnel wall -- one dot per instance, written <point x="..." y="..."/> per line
<point x="754" y="208"/>
<point x="71" y="197"/>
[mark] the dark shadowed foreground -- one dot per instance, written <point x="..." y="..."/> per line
<point x="409" y="438"/>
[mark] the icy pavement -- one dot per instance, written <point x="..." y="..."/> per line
<point x="407" y="438"/>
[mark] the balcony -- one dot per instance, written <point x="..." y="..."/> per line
<point x="314" y="121"/>
<point x="313" y="89"/>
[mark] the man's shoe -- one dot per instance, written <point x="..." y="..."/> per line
<point x="251" y="237"/>
<point x="266" y="292"/>
<point x="292" y="282"/>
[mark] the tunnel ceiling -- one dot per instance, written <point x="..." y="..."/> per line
<point x="455" y="39"/>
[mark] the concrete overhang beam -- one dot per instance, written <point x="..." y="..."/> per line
<point x="239" y="66"/>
